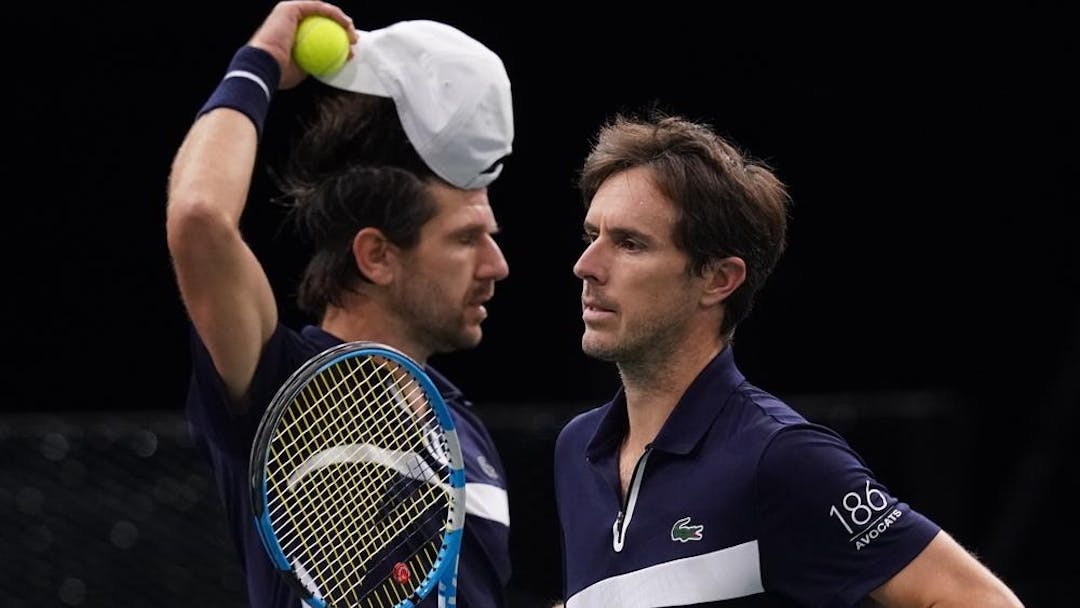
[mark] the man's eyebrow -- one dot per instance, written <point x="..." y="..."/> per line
<point x="630" y="233"/>
<point x="478" y="228"/>
<point x="618" y="233"/>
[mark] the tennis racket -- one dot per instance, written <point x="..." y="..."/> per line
<point x="357" y="481"/>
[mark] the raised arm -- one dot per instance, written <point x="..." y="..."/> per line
<point x="224" y="288"/>
<point x="945" y="575"/>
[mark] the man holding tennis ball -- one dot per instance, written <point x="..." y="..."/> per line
<point x="402" y="236"/>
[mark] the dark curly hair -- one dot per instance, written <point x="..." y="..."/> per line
<point x="351" y="167"/>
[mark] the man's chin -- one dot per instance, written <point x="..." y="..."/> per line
<point x="471" y="340"/>
<point x="604" y="352"/>
<point x="465" y="340"/>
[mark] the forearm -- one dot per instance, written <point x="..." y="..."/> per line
<point x="212" y="170"/>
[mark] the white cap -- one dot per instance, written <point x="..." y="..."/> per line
<point x="452" y="95"/>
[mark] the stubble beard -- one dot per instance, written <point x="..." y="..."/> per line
<point x="638" y="348"/>
<point x="433" y="321"/>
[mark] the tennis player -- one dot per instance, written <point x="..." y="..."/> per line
<point x="388" y="183"/>
<point x="692" y="487"/>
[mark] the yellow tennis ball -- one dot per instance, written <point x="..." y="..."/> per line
<point x="321" y="45"/>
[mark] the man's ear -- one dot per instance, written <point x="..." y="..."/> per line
<point x="375" y="256"/>
<point x="722" y="278"/>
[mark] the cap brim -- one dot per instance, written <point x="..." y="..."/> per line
<point x="357" y="75"/>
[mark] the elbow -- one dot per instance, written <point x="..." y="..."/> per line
<point x="192" y="222"/>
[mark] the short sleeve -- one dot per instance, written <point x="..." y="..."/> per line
<point x="209" y="409"/>
<point x="829" y="531"/>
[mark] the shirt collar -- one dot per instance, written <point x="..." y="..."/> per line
<point x="688" y="422"/>
<point x="320" y="337"/>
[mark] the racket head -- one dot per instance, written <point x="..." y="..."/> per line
<point x="358" y="482"/>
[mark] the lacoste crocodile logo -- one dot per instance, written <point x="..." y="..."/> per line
<point x="685" y="533"/>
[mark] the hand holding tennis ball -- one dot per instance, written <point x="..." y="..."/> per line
<point x="321" y="45"/>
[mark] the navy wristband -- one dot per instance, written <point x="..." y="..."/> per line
<point x="249" y="83"/>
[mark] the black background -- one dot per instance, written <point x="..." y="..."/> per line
<point x="930" y="154"/>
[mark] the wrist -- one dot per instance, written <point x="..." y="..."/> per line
<point x="248" y="86"/>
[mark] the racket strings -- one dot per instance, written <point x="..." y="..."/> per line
<point x="420" y="524"/>
<point x="415" y="515"/>
<point x="421" y="542"/>
<point x="412" y="514"/>
<point x="342" y="489"/>
<point x="336" y="487"/>
<point x="313" y="420"/>
<point x="313" y="426"/>
<point x="404" y="486"/>
<point x="318" y="424"/>
<point x="337" y="559"/>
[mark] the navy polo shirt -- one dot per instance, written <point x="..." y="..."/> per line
<point x="225" y="440"/>
<point x="739" y="501"/>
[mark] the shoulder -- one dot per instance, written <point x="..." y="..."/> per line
<point x="455" y="399"/>
<point x="770" y="436"/>
<point x="471" y="428"/>
<point x="760" y="407"/>
<point x="208" y="406"/>
<point x="796" y="456"/>
<point x="753" y="418"/>
<point x="285" y="352"/>
<point x="449" y="391"/>
<point x="781" y="432"/>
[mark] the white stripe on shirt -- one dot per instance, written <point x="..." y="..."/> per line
<point x="487" y="501"/>
<point x="711" y="577"/>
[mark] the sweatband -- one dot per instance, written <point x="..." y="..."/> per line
<point x="249" y="83"/>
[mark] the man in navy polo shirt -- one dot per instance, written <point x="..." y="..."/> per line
<point x="401" y="230"/>
<point x="693" y="487"/>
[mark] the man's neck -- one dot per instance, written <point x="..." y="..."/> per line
<point x="365" y="321"/>
<point x="653" y="388"/>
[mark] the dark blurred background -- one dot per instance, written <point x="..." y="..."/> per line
<point x="927" y="307"/>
